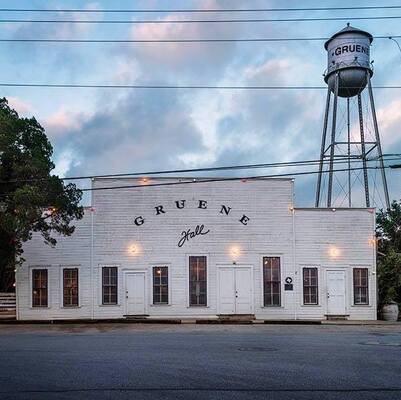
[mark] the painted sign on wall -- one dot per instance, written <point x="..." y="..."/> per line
<point x="180" y="204"/>
<point x="199" y="230"/>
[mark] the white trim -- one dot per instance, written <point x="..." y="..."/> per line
<point x="346" y="293"/>
<point x="207" y="279"/>
<point x="234" y="267"/>
<point x="30" y="269"/>
<point x="369" y="303"/>
<point x="62" y="267"/>
<point x="17" y="272"/>
<point x="282" y="297"/>
<point x="100" y="283"/>
<point x="150" y="268"/>
<point x="319" y="285"/>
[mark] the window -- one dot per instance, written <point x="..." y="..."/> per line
<point x="310" y="282"/>
<point x="361" y="286"/>
<point x="197" y="281"/>
<point x="70" y="287"/>
<point x="271" y="281"/>
<point x="39" y="288"/>
<point x="160" y="285"/>
<point x="109" y="285"/>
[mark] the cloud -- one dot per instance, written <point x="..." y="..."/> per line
<point x="140" y="131"/>
<point x="106" y="131"/>
<point x="21" y="106"/>
<point x="59" y="30"/>
<point x="183" y="61"/>
<point x="63" y="122"/>
<point x="259" y="126"/>
<point x="389" y="120"/>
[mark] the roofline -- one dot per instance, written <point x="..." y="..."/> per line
<point x="356" y="30"/>
<point x="192" y="177"/>
<point x="334" y="208"/>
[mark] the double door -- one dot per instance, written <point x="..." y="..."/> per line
<point x="235" y="290"/>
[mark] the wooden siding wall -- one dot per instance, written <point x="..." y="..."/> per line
<point x="268" y="204"/>
<point x="341" y="239"/>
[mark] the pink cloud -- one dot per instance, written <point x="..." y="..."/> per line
<point x="177" y="53"/>
<point x="21" y="106"/>
<point x="63" y="122"/>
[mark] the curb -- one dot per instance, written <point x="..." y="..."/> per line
<point x="192" y="321"/>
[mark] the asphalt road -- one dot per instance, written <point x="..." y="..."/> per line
<point x="120" y="361"/>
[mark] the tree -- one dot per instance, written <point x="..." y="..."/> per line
<point x="389" y="253"/>
<point x="31" y="198"/>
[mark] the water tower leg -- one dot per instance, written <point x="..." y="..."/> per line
<point x="333" y="140"/>
<point x="363" y="151"/>
<point x="379" y="148"/>
<point x="319" y="177"/>
<point x="349" y="154"/>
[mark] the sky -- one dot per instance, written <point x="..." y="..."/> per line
<point x="103" y="131"/>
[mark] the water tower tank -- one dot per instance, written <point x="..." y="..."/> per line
<point x="348" y="53"/>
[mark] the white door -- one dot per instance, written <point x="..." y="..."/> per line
<point x="235" y="290"/>
<point x="336" y="292"/>
<point x="243" y="291"/>
<point x="227" y="291"/>
<point x="135" y="293"/>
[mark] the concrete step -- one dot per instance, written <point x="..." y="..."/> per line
<point x="223" y="322"/>
<point x="337" y="317"/>
<point x="236" y="317"/>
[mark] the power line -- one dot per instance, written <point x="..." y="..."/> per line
<point x="207" y="180"/>
<point x="209" y="10"/>
<point x="300" y="163"/>
<point x="225" y="168"/>
<point x="45" y="40"/>
<point x="187" y="87"/>
<point x="195" y="181"/>
<point x="396" y="42"/>
<point x="191" y="21"/>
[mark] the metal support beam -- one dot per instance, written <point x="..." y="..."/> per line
<point x="333" y="138"/>
<point x="371" y="149"/>
<point x="322" y="151"/>
<point x="363" y="150"/>
<point x="349" y="154"/>
<point x="379" y="148"/>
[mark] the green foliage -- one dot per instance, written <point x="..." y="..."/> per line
<point x="31" y="198"/>
<point x="389" y="253"/>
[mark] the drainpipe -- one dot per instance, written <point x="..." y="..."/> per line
<point x="295" y="281"/>
<point x="91" y="265"/>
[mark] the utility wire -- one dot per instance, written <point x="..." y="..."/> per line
<point x="192" y="21"/>
<point x="224" y="87"/>
<point x="210" y="180"/>
<point x="300" y="163"/>
<point x="45" y="40"/>
<point x="209" y="10"/>
<point x="244" y="178"/>
<point x="395" y="41"/>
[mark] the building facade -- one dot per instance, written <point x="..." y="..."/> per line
<point x="203" y="249"/>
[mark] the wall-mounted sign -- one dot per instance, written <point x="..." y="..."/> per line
<point x="190" y="234"/>
<point x="201" y="204"/>
<point x="288" y="283"/>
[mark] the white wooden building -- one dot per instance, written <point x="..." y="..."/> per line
<point x="203" y="250"/>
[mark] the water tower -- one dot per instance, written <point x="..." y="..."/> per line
<point x="349" y="72"/>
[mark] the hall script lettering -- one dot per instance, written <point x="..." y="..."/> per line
<point x="189" y="234"/>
